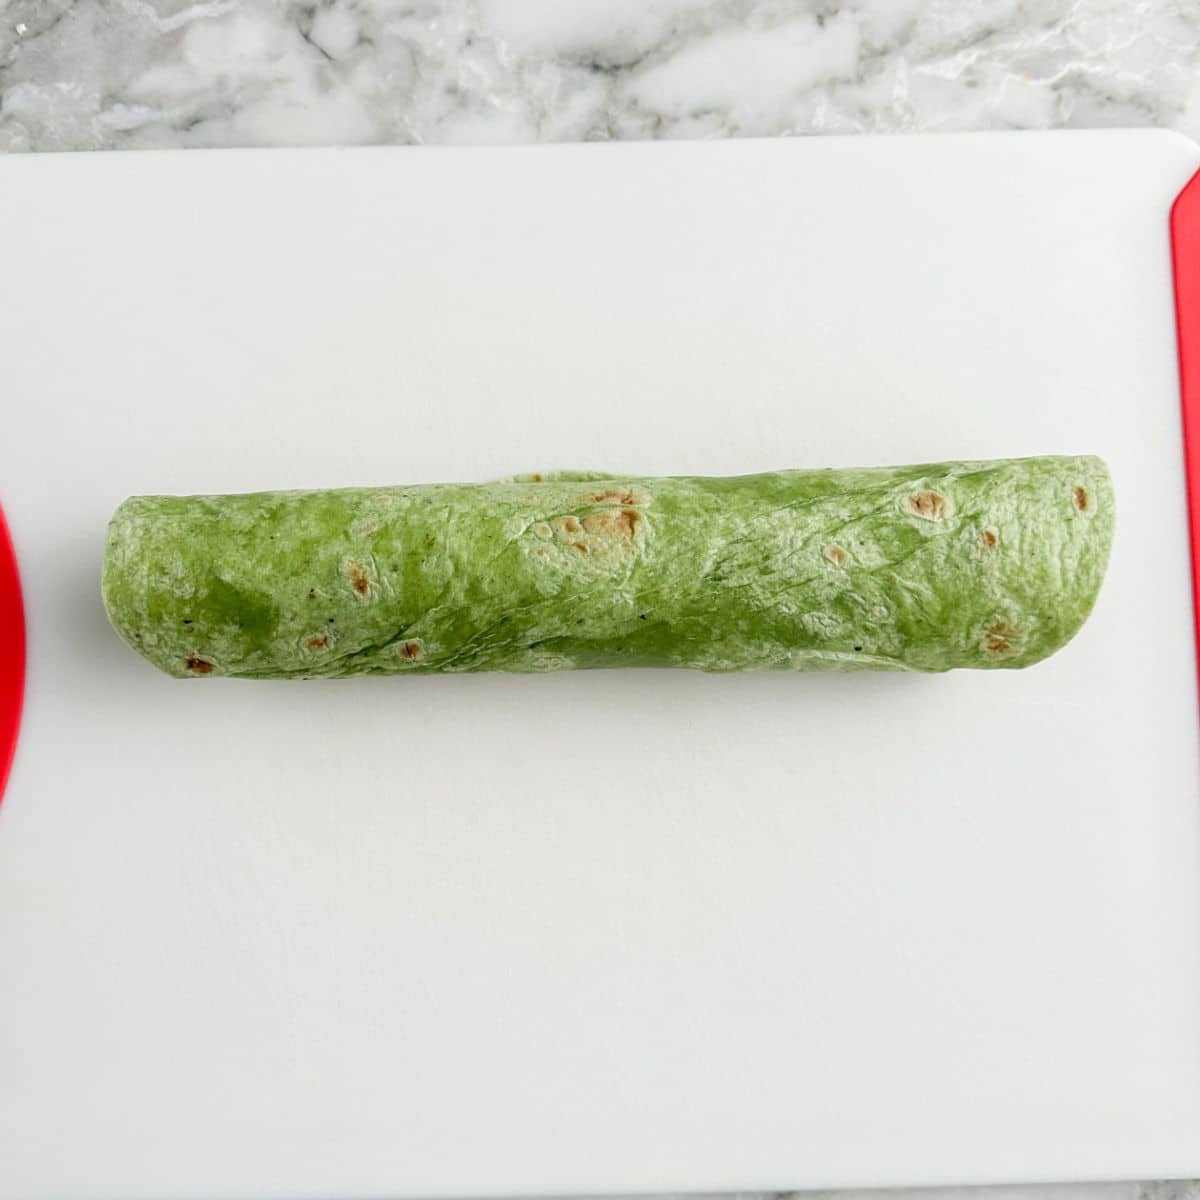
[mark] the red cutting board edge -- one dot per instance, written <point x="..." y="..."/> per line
<point x="1185" y="259"/>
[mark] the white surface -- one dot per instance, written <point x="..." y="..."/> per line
<point x="607" y="931"/>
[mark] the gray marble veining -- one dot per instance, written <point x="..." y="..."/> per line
<point x="99" y="74"/>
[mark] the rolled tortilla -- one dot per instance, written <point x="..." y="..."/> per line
<point x="922" y="568"/>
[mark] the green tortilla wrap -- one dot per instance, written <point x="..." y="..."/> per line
<point x="923" y="568"/>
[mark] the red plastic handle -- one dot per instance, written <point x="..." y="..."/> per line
<point x="12" y="653"/>
<point x="1185" y="259"/>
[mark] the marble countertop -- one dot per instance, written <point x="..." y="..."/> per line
<point x="147" y="74"/>
<point x="106" y="74"/>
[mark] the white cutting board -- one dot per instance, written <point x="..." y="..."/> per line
<point x="618" y="930"/>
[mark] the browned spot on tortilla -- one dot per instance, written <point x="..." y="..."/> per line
<point x="613" y="496"/>
<point x="619" y="522"/>
<point x="836" y="555"/>
<point x="579" y="547"/>
<point x="542" y="529"/>
<point x="988" y="538"/>
<point x="1082" y="499"/>
<point x="411" y="650"/>
<point x="317" y="642"/>
<point x="998" y="637"/>
<point x="536" y="477"/>
<point x="359" y="580"/>
<point x="930" y="505"/>
<point x="570" y="525"/>
<point x="200" y="665"/>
